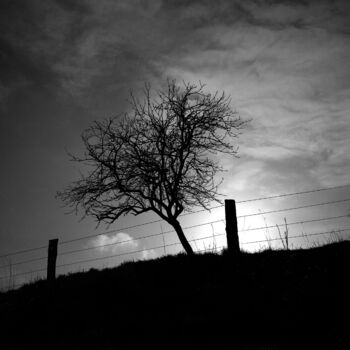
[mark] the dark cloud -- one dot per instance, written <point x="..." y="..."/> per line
<point x="19" y="66"/>
<point x="64" y="63"/>
<point x="78" y="7"/>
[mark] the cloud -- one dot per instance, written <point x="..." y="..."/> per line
<point x="114" y="243"/>
<point x="81" y="50"/>
<point x="65" y="63"/>
<point x="149" y="254"/>
<point x="290" y="75"/>
<point x="120" y="243"/>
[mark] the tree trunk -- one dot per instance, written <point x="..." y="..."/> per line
<point x="182" y="237"/>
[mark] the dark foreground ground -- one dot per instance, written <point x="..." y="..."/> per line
<point x="269" y="300"/>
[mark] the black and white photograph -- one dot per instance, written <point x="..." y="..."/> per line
<point x="175" y="174"/>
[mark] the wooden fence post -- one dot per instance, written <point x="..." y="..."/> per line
<point x="51" y="260"/>
<point x="231" y="227"/>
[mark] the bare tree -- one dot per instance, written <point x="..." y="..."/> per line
<point x="157" y="158"/>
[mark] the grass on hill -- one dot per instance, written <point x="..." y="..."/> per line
<point x="275" y="299"/>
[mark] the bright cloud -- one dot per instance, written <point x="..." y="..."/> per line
<point x="66" y="63"/>
<point x="285" y="67"/>
<point x="149" y="254"/>
<point x="115" y="243"/>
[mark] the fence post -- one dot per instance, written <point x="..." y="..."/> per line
<point x="51" y="260"/>
<point x="231" y="227"/>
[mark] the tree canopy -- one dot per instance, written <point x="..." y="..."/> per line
<point x="159" y="157"/>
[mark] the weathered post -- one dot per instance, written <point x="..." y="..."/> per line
<point x="51" y="260"/>
<point x="231" y="227"/>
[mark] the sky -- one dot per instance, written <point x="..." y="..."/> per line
<point x="64" y="64"/>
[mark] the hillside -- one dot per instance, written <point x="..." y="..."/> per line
<point x="268" y="300"/>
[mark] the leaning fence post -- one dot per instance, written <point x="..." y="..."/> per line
<point x="51" y="260"/>
<point x="231" y="227"/>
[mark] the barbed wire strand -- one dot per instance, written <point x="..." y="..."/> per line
<point x="106" y="245"/>
<point x="295" y="223"/>
<point x="294" y="193"/>
<point x="179" y="243"/>
<point x="114" y="255"/>
<point x="156" y="221"/>
<point x="201" y="210"/>
<point x="135" y="251"/>
<point x="294" y="208"/>
<point x="121" y="242"/>
<point x="166" y="232"/>
<point x="23" y="262"/>
<point x="23" y="273"/>
<point x="200" y="250"/>
<point x="23" y="251"/>
<point x="296" y="236"/>
<point x="217" y="249"/>
<point x="193" y="226"/>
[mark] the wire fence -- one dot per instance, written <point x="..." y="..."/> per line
<point x="306" y="220"/>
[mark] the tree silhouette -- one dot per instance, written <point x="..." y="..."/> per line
<point x="157" y="158"/>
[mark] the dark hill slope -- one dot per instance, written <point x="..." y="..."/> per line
<point x="269" y="300"/>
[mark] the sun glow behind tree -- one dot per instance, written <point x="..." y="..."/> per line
<point x="205" y="230"/>
<point x="158" y="158"/>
